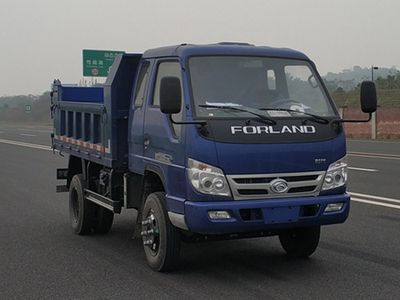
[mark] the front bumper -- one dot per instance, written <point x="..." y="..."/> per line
<point x="264" y="215"/>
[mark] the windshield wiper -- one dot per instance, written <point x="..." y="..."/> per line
<point x="315" y="118"/>
<point x="243" y="109"/>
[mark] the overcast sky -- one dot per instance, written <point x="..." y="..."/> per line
<point x="43" y="39"/>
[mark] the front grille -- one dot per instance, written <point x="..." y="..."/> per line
<point x="252" y="192"/>
<point x="300" y="178"/>
<point x="302" y="189"/>
<point x="258" y="186"/>
<point x="252" y="180"/>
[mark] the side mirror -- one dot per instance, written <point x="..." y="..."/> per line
<point x="368" y="97"/>
<point x="170" y="95"/>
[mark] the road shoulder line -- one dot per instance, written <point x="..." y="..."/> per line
<point x="375" y="197"/>
<point x="28" y="145"/>
<point x="375" y="203"/>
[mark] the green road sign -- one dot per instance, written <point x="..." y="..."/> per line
<point x="28" y="108"/>
<point x="96" y="63"/>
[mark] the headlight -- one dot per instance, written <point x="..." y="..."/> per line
<point x="207" y="179"/>
<point x="336" y="175"/>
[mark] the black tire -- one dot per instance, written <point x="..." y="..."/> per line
<point x="103" y="220"/>
<point x="300" y="242"/>
<point x="81" y="211"/>
<point x="163" y="254"/>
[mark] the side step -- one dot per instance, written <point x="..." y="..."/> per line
<point x="114" y="206"/>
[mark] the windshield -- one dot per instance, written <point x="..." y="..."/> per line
<point x="261" y="83"/>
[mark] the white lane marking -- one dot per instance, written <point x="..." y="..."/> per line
<point x="374" y="155"/>
<point x="362" y="169"/>
<point x="374" y="197"/>
<point x="35" y="130"/>
<point x="376" y="203"/>
<point x="27" y="134"/>
<point x="29" y="145"/>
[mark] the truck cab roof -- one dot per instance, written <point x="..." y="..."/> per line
<point x="223" y="48"/>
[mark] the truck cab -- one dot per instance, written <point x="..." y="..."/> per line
<point x="226" y="140"/>
<point x="253" y="151"/>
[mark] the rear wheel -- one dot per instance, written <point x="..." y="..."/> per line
<point x="161" y="240"/>
<point x="81" y="211"/>
<point x="300" y="242"/>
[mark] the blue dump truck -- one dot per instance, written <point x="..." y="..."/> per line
<point x="206" y="142"/>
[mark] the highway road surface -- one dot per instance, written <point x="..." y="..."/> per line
<point x="41" y="259"/>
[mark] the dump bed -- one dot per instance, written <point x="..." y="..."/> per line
<point x="92" y="122"/>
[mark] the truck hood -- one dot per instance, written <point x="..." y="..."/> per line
<point x="288" y="146"/>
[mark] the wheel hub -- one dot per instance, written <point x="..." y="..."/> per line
<point x="150" y="232"/>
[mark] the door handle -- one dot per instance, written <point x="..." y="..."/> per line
<point x="146" y="143"/>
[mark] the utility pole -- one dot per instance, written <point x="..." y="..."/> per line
<point x="373" y="117"/>
<point x="372" y="71"/>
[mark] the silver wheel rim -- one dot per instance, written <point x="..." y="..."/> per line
<point x="151" y="233"/>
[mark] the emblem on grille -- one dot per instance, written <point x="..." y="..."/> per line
<point x="279" y="186"/>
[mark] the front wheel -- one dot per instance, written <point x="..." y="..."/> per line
<point x="300" y="242"/>
<point x="161" y="240"/>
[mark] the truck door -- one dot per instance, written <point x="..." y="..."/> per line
<point x="136" y="139"/>
<point x="163" y="140"/>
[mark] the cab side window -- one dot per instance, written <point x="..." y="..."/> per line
<point x="166" y="69"/>
<point x="140" y="92"/>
